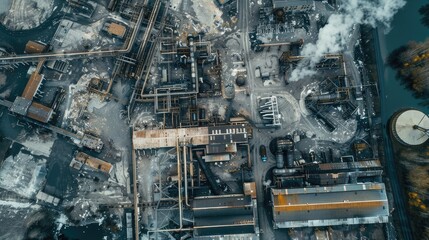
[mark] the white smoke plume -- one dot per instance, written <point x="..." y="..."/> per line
<point x="334" y="36"/>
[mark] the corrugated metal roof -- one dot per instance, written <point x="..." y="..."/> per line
<point x="146" y="139"/>
<point x="290" y="3"/>
<point x="223" y="215"/>
<point x="32" y="85"/>
<point x="310" y="206"/>
<point x="39" y="112"/>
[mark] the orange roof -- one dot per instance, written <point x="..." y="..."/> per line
<point x="329" y="206"/>
<point x="93" y="162"/>
<point x="32" y="86"/>
<point x="39" y="112"/>
<point x="34" y="47"/>
<point x="116" y="29"/>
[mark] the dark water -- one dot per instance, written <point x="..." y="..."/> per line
<point x="406" y="27"/>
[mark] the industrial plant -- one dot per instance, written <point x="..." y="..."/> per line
<point x="185" y="119"/>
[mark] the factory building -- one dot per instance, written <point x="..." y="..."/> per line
<point x="294" y="5"/>
<point x="327" y="206"/>
<point x="32" y="86"/>
<point x="221" y="139"/>
<point x="35" y="47"/>
<point x="115" y="29"/>
<point x="217" y="217"/>
<point x="90" y="165"/>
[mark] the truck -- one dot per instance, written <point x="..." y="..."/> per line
<point x="263" y="153"/>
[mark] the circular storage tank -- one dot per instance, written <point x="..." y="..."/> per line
<point x="240" y="81"/>
<point x="409" y="127"/>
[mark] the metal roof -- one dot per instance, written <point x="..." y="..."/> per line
<point x="221" y="148"/>
<point x="217" y="158"/>
<point x="32" y="86"/>
<point x="223" y="215"/>
<point x="20" y="106"/>
<point x="344" y="166"/>
<point x="290" y="3"/>
<point x="227" y="134"/>
<point x="95" y="163"/>
<point x="39" y="112"/>
<point x="325" y="206"/>
<point x="158" y="138"/>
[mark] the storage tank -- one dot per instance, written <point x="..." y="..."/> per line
<point x="410" y="127"/>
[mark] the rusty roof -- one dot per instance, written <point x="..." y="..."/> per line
<point x="116" y="29"/>
<point x="35" y="47"/>
<point x="32" y="85"/>
<point x="93" y="162"/>
<point x="159" y="138"/>
<point x="39" y="112"/>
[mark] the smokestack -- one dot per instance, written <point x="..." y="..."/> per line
<point x="336" y="34"/>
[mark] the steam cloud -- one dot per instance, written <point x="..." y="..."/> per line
<point x="334" y="36"/>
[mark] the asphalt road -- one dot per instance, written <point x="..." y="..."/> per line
<point x="260" y="168"/>
<point x="397" y="191"/>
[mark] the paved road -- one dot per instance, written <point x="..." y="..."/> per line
<point x="260" y="168"/>
<point x="398" y="193"/>
<point x="244" y="16"/>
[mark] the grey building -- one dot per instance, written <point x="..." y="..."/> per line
<point x="223" y="216"/>
<point x="327" y="206"/>
<point x="294" y="5"/>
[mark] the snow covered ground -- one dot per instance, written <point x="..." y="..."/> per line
<point x="207" y="13"/>
<point x="82" y="100"/>
<point x="5" y="5"/>
<point x="25" y="14"/>
<point x="38" y="146"/>
<point x="23" y="174"/>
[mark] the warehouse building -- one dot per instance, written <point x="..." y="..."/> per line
<point x="217" y="217"/>
<point x="327" y="206"/>
<point x="294" y="5"/>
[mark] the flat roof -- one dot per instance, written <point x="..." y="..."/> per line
<point x="344" y="166"/>
<point x="159" y="138"/>
<point x="35" y="47"/>
<point x="32" y="86"/>
<point x="325" y="206"/>
<point x="218" y="202"/>
<point x="217" y="158"/>
<point x="221" y="215"/>
<point x="290" y="3"/>
<point x="93" y="162"/>
<point x="238" y="232"/>
<point x="221" y="148"/>
<point x="39" y="112"/>
<point x="250" y="189"/>
<point x="227" y="134"/>
<point x="116" y="29"/>
<point x="20" y="106"/>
